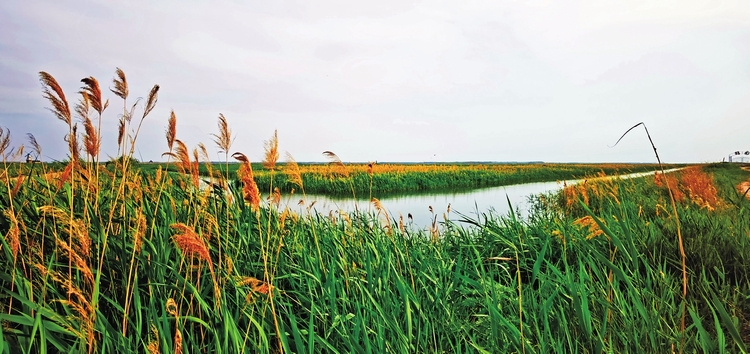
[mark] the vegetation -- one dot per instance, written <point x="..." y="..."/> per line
<point x="383" y="179"/>
<point x="118" y="260"/>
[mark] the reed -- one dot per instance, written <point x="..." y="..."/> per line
<point x="604" y="274"/>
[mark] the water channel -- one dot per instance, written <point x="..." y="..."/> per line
<point x="469" y="202"/>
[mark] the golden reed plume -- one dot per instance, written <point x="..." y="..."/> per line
<point x="121" y="84"/>
<point x="55" y="95"/>
<point x="245" y="174"/>
<point x="292" y="171"/>
<point x="91" y="140"/>
<point x="182" y="155"/>
<point x="224" y="139"/>
<point x="93" y="93"/>
<point x="191" y="244"/>
<point x="272" y="151"/>
<point x="171" y="130"/>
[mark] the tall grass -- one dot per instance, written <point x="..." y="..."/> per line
<point x="125" y="260"/>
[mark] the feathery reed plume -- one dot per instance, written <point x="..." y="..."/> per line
<point x="333" y="158"/>
<point x="171" y="130"/>
<point x="177" y="341"/>
<point x="380" y="209"/>
<point x="4" y="141"/>
<point x="77" y="227"/>
<point x="91" y="140"/>
<point x="16" y="155"/>
<point x="272" y="151"/>
<point x="153" y="96"/>
<point x="250" y="190"/>
<point x="182" y="155"/>
<point x="83" y="106"/>
<point x="276" y="197"/>
<point x="55" y="95"/>
<point x="224" y="139"/>
<point x="93" y="93"/>
<point x="153" y="344"/>
<point x="12" y="237"/>
<point x="336" y="161"/>
<point x="121" y="131"/>
<point x="190" y="243"/>
<point x="121" y="84"/>
<point x="292" y="171"/>
<point x="204" y="153"/>
<point x="140" y="231"/>
<point x="34" y="144"/>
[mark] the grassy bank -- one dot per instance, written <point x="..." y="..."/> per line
<point x="118" y="260"/>
<point x="380" y="179"/>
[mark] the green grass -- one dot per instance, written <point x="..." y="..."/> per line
<point x="123" y="259"/>
<point x="371" y="289"/>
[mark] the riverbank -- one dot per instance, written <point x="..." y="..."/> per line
<point x="595" y="267"/>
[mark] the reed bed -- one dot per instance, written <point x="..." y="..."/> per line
<point x="385" y="178"/>
<point x="120" y="260"/>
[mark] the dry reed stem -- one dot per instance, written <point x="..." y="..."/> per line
<point x="683" y="257"/>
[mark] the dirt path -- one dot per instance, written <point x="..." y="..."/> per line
<point x="744" y="186"/>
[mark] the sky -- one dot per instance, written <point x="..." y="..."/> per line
<point x="395" y="80"/>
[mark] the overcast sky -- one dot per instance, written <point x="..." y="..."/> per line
<point x="396" y="80"/>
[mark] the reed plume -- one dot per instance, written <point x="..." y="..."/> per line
<point x="336" y="161"/>
<point x="121" y="131"/>
<point x="171" y="130"/>
<point x="55" y="95"/>
<point x="292" y="171"/>
<point x="121" y="84"/>
<point x="34" y="144"/>
<point x="153" y="96"/>
<point x="182" y="155"/>
<point x="4" y="141"/>
<point x="12" y="237"/>
<point x="224" y="139"/>
<point x="93" y="94"/>
<point x="272" y="151"/>
<point x="191" y="244"/>
<point x="91" y="140"/>
<point x="250" y="190"/>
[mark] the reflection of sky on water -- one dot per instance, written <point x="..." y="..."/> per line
<point x="464" y="202"/>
